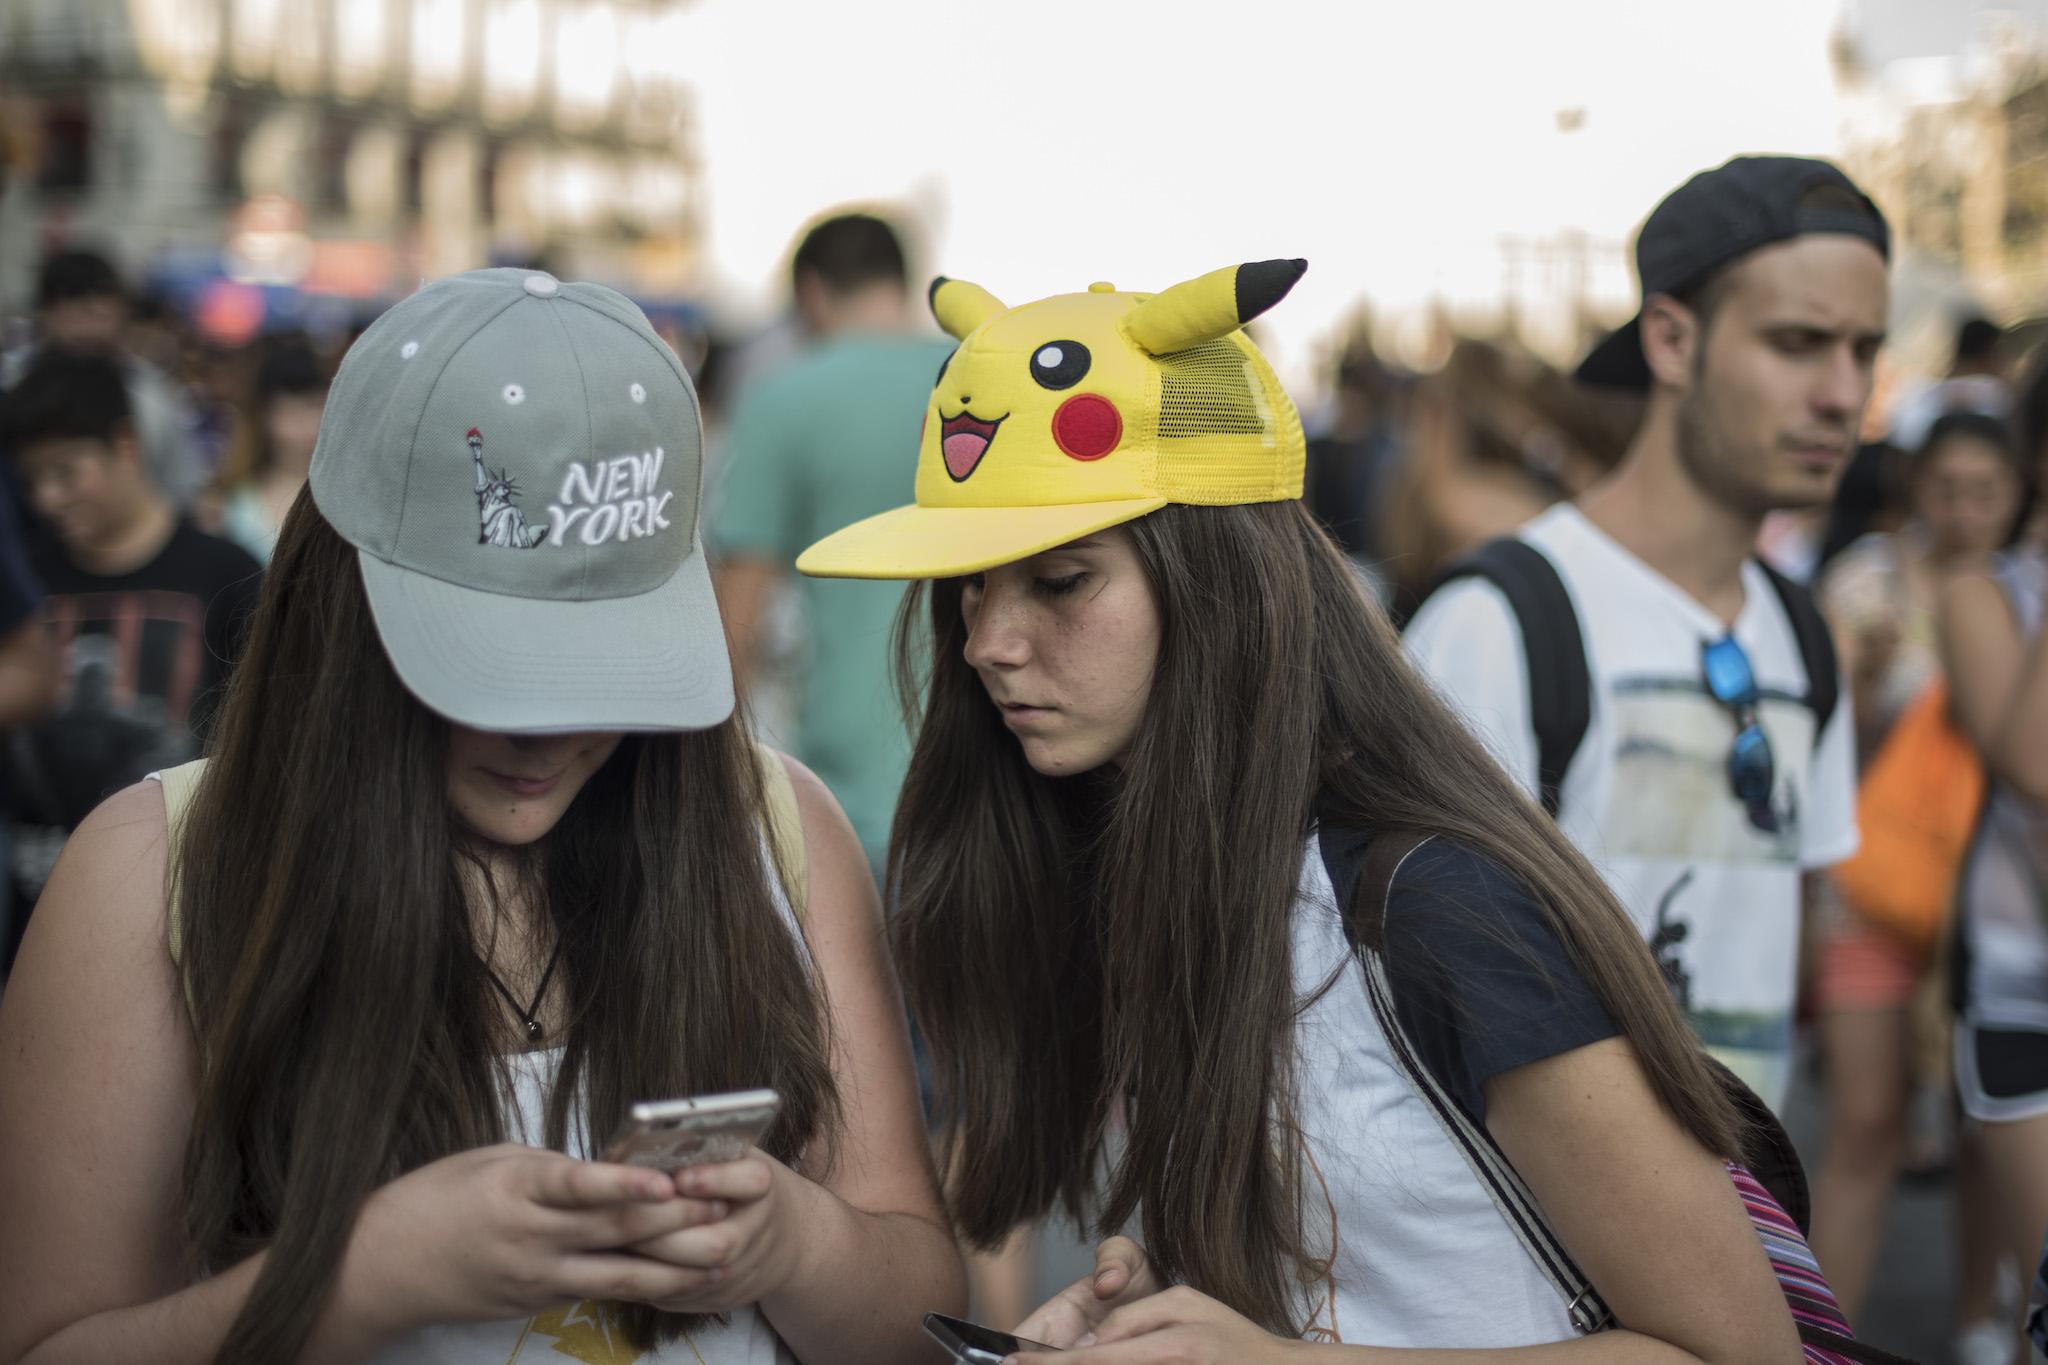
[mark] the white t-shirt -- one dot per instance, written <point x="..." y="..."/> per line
<point x="1418" y="1253"/>
<point x="1646" y="796"/>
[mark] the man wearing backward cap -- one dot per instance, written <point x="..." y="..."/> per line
<point x="1671" y="699"/>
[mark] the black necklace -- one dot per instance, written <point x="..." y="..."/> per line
<point x="530" y="1016"/>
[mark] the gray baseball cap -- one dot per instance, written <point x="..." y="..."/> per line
<point x="519" y="464"/>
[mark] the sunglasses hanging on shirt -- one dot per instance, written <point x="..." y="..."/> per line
<point x="1752" y="771"/>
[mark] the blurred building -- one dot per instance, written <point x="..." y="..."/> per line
<point x="1955" y="149"/>
<point x="349" y="147"/>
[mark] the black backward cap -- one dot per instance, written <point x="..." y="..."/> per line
<point x="1722" y="214"/>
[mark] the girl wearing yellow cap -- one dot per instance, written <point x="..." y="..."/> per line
<point x="1165" y="743"/>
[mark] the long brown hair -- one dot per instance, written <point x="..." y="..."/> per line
<point x="1068" y="944"/>
<point x="345" y="1026"/>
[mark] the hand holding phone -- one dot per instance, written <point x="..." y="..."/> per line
<point x="754" y="1204"/>
<point x="1123" y="1274"/>
<point x="667" y="1135"/>
<point x="977" y="1345"/>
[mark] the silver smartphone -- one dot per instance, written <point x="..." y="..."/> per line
<point x="978" y="1345"/>
<point x="668" y="1135"/>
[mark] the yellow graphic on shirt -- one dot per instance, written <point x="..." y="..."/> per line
<point x="586" y="1332"/>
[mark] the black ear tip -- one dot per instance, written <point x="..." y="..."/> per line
<point x="1261" y="284"/>
<point x="931" y="295"/>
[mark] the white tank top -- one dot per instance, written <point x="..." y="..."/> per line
<point x="1421" y="1255"/>
<point x="584" y="1332"/>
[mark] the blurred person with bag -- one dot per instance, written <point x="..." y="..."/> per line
<point x="1994" y="653"/>
<point x="1884" y="910"/>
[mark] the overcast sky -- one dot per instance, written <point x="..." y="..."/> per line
<point x="1887" y="30"/>
<point x="1047" y="144"/>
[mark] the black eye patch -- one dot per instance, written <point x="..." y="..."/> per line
<point x="1060" y="364"/>
<point x="943" y="364"/>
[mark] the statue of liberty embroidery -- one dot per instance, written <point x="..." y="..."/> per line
<point x="499" y="520"/>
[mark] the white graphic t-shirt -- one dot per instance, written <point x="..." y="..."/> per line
<point x="1647" y="795"/>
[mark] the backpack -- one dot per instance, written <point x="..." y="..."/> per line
<point x="1560" y="681"/>
<point x="1769" y="1179"/>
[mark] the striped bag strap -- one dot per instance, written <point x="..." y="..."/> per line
<point x="1824" y="1330"/>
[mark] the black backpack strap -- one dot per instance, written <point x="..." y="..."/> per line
<point x="1816" y="647"/>
<point x="1560" y="682"/>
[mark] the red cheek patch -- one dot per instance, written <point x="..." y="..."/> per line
<point x="1087" y="426"/>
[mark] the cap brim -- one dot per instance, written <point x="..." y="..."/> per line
<point x="941" y="542"/>
<point x="1617" y="362"/>
<point x="655" y="661"/>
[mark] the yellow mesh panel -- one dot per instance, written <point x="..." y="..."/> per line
<point x="1228" y="433"/>
<point x="1206" y="390"/>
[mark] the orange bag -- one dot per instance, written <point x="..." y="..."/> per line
<point x="1917" y="807"/>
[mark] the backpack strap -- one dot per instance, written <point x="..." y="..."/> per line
<point x="1816" y="646"/>
<point x="178" y="785"/>
<point x="1365" y="915"/>
<point x="785" y="829"/>
<point x="1560" y="681"/>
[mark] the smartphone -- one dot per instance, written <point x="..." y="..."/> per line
<point x="668" y="1135"/>
<point x="978" y="1345"/>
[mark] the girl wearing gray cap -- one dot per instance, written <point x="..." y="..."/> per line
<point x="308" y="1046"/>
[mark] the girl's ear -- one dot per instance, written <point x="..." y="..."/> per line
<point x="1211" y="306"/>
<point x="961" y="307"/>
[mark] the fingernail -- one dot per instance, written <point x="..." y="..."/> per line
<point x="1087" y="1339"/>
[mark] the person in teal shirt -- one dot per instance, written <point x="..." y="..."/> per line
<point x="829" y="438"/>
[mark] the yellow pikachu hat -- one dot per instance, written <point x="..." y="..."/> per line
<point x="1061" y="417"/>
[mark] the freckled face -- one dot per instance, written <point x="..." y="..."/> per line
<point x="513" y="789"/>
<point x="1065" y="643"/>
